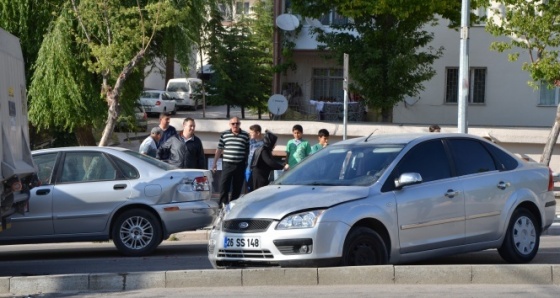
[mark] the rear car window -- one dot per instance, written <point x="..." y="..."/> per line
<point x="505" y="161"/>
<point x="470" y="157"/>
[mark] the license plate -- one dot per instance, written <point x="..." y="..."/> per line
<point x="242" y="242"/>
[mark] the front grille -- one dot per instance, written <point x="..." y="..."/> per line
<point x="242" y="253"/>
<point x="254" y="225"/>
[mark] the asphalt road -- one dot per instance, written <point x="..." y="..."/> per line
<point x="87" y="257"/>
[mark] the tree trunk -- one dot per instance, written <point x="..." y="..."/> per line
<point x="227" y="112"/>
<point x="169" y="65"/>
<point x="387" y="115"/>
<point x="84" y="135"/>
<point x="242" y="112"/>
<point x="113" y="96"/>
<point x="112" y="115"/>
<point x="552" y="139"/>
<point x="203" y="83"/>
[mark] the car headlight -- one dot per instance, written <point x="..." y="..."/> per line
<point x="302" y="220"/>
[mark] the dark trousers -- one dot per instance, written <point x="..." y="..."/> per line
<point x="233" y="176"/>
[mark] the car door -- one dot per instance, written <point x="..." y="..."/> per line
<point x="431" y="214"/>
<point x="37" y="221"/>
<point x="486" y="188"/>
<point x="89" y="189"/>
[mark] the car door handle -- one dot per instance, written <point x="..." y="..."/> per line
<point x="119" y="186"/>
<point x="451" y="193"/>
<point x="42" y="192"/>
<point x="502" y="185"/>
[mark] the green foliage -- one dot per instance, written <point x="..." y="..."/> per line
<point x="62" y="90"/>
<point x="531" y="27"/>
<point x="241" y="57"/>
<point x="29" y="21"/>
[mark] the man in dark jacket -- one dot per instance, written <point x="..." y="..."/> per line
<point x="184" y="150"/>
<point x="263" y="163"/>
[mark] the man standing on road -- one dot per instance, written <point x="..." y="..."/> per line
<point x="185" y="149"/>
<point x="149" y="145"/>
<point x="168" y="130"/>
<point x="234" y="144"/>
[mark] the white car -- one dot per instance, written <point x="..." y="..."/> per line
<point x="157" y="102"/>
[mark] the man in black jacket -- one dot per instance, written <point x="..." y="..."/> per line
<point x="184" y="150"/>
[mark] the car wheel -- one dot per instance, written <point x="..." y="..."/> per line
<point x="521" y="242"/>
<point x="174" y="112"/>
<point x="137" y="233"/>
<point x="363" y="246"/>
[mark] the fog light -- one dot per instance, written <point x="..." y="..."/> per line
<point x="304" y="249"/>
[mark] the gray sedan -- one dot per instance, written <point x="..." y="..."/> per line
<point x="390" y="199"/>
<point x="101" y="193"/>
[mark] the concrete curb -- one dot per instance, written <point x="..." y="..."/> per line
<point x="368" y="275"/>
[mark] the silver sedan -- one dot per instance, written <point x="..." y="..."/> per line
<point x="102" y="193"/>
<point x="390" y="199"/>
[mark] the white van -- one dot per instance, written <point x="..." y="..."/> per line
<point x="182" y="90"/>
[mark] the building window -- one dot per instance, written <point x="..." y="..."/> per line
<point x="477" y="90"/>
<point x="327" y="84"/>
<point x="241" y="8"/>
<point x="333" y="18"/>
<point x="225" y="11"/>
<point x="548" y="97"/>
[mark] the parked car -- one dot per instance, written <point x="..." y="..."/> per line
<point x="133" y="123"/>
<point x="390" y="199"/>
<point x="102" y="193"/>
<point x="183" y="91"/>
<point x="156" y="102"/>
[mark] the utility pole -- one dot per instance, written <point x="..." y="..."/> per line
<point x="463" y="97"/>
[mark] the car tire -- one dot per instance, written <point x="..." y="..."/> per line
<point x="137" y="233"/>
<point x="522" y="238"/>
<point x="174" y="112"/>
<point x="362" y="247"/>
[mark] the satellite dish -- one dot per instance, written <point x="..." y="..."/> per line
<point x="287" y="22"/>
<point x="277" y="104"/>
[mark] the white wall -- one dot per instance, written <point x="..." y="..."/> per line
<point x="509" y="100"/>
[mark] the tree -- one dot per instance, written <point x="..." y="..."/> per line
<point x="532" y="27"/>
<point x="387" y="44"/>
<point x="63" y="91"/>
<point x="239" y="64"/>
<point x="262" y="30"/>
<point x="117" y="35"/>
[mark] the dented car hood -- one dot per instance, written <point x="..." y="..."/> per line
<point x="276" y="201"/>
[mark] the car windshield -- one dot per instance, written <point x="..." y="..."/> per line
<point x="177" y="87"/>
<point x="156" y="162"/>
<point x="343" y="165"/>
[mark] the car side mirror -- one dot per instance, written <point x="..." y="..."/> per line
<point x="407" y="179"/>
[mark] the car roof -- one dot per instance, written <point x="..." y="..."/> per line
<point x="80" y="148"/>
<point x="404" y="138"/>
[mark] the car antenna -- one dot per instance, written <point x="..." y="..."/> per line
<point x="365" y="141"/>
